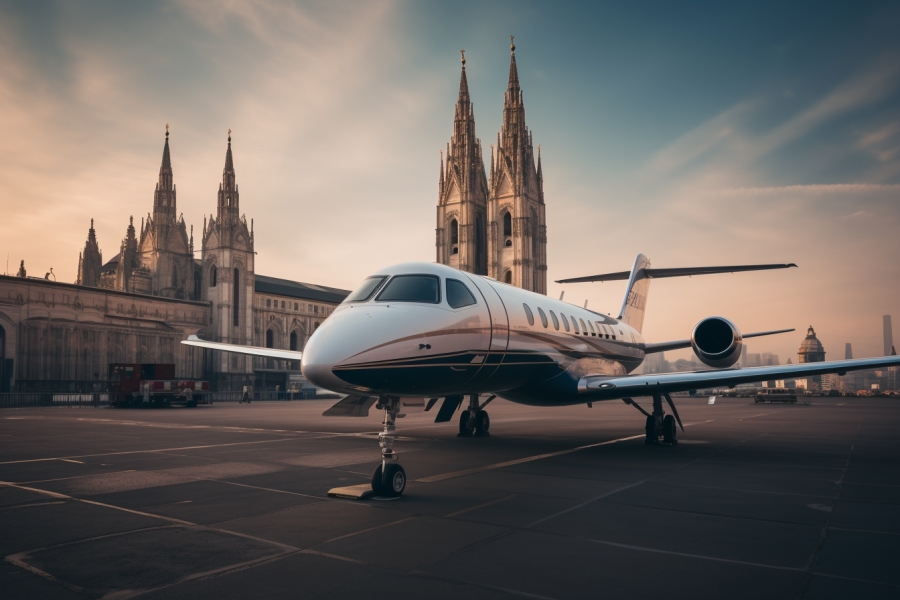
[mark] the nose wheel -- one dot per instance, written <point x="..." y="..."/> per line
<point x="389" y="478"/>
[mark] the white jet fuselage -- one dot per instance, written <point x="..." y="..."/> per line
<point x="398" y="348"/>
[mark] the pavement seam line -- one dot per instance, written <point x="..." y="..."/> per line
<point x="483" y="505"/>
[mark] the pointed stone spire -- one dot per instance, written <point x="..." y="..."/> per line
<point x="89" y="261"/>
<point x="164" y="195"/>
<point x="513" y="84"/>
<point x="229" y="197"/>
<point x="463" y="82"/>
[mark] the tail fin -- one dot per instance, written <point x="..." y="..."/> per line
<point x="632" y="313"/>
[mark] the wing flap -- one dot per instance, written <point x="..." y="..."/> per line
<point x="193" y="340"/>
<point x="608" y="388"/>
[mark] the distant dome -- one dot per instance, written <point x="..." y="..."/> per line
<point x="811" y="349"/>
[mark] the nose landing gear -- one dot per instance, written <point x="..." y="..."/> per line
<point x="389" y="478"/>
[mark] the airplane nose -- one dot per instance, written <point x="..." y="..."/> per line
<point x="335" y="340"/>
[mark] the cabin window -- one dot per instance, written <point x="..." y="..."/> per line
<point x="583" y="328"/>
<point x="270" y="338"/>
<point x="528" y="314"/>
<point x="543" y="317"/>
<point x="565" y="321"/>
<point x="212" y="276"/>
<point x="454" y="232"/>
<point x="555" y="320"/>
<point x="412" y="288"/>
<point x="591" y="325"/>
<point x="507" y="224"/>
<point x="575" y="325"/>
<point x="364" y="291"/>
<point x="458" y="295"/>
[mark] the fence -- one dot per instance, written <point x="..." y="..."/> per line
<point x="31" y="399"/>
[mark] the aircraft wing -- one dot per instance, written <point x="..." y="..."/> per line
<point x="603" y="387"/>
<point x="677" y="272"/>
<point x="679" y="344"/>
<point x="193" y="340"/>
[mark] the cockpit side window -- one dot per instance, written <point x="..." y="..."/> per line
<point x="458" y="295"/>
<point x="528" y="314"/>
<point x="366" y="289"/>
<point x="412" y="288"/>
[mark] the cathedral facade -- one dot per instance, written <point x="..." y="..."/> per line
<point x="493" y="224"/>
<point x="139" y="305"/>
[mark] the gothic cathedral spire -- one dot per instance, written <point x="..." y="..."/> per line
<point x="463" y="191"/>
<point x="518" y="241"/>
<point x="90" y="261"/>
<point x="164" y="196"/>
<point x="229" y="198"/>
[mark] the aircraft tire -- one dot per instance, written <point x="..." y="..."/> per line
<point x="395" y="480"/>
<point x="650" y="431"/>
<point x="482" y="423"/>
<point x="670" y="433"/>
<point x="466" y="428"/>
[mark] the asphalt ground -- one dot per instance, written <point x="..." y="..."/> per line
<point x="229" y="501"/>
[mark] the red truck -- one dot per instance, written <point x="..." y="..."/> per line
<point x="152" y="384"/>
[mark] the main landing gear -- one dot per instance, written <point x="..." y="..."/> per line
<point x="389" y="479"/>
<point x="474" y="420"/>
<point x="659" y="424"/>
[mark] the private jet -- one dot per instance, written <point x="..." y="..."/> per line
<point x="416" y="333"/>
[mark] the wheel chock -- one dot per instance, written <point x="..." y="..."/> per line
<point x="362" y="491"/>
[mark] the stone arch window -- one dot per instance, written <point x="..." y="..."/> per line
<point x="480" y="243"/>
<point x="507" y="223"/>
<point x="270" y="338"/>
<point x="2" y="343"/>
<point x="236" y="301"/>
<point x="213" y="274"/>
<point x="295" y="340"/>
<point x="535" y="234"/>
<point x="175" y="276"/>
<point x="507" y="277"/>
<point x="454" y="231"/>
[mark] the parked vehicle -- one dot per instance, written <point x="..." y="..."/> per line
<point x="772" y="395"/>
<point x="152" y="384"/>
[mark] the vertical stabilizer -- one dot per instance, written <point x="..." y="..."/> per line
<point x="635" y="300"/>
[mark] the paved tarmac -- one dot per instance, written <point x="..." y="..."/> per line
<point x="229" y="501"/>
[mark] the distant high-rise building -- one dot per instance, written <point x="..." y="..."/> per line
<point x="744" y="356"/>
<point x="888" y="335"/>
<point x="769" y="359"/>
<point x="811" y="350"/>
<point x="848" y="351"/>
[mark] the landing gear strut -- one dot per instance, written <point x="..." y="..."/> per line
<point x="474" y="420"/>
<point x="389" y="479"/>
<point x="659" y="424"/>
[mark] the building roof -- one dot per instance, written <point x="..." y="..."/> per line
<point x="811" y="343"/>
<point x="296" y="289"/>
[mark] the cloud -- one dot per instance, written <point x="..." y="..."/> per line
<point x="815" y="189"/>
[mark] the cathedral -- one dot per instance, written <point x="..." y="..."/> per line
<point x="493" y="224"/>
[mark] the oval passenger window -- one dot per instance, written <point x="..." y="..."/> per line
<point x="565" y="321"/>
<point x="458" y="295"/>
<point x="528" y="314"/>
<point x="583" y="328"/>
<point x="543" y="317"/>
<point x="591" y="325"/>
<point x="575" y="325"/>
<point x="555" y="320"/>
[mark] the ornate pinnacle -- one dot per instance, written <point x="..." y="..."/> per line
<point x="167" y="130"/>
<point x="512" y="44"/>
<point x="463" y="53"/>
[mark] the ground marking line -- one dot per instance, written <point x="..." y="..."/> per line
<point x="74" y="477"/>
<point x="382" y="526"/>
<point x="865" y="531"/>
<point x="485" y="505"/>
<point x="586" y="502"/>
<point x="256" y="487"/>
<point x="518" y="461"/>
<point x="42" y="574"/>
<point x="700" y="556"/>
<point x="820" y="574"/>
<point x="15" y="506"/>
<point x="32" y="460"/>
<point x="69" y="460"/>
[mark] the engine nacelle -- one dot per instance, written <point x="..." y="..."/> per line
<point x="717" y="342"/>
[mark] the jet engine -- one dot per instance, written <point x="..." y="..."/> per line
<point x="717" y="342"/>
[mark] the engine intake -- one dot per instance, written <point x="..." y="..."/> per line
<point x="717" y="342"/>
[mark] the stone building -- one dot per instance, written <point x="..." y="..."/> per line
<point x="152" y="294"/>
<point x="493" y="225"/>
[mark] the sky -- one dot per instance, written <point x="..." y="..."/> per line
<point x="696" y="133"/>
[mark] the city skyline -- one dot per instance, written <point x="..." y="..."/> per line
<point x="781" y="145"/>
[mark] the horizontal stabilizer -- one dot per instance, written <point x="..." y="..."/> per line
<point x="681" y="272"/>
<point x="193" y="340"/>
<point x="679" y="344"/>
<point x="351" y="406"/>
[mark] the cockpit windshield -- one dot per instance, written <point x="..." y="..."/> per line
<point x="412" y="288"/>
<point x="366" y="289"/>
